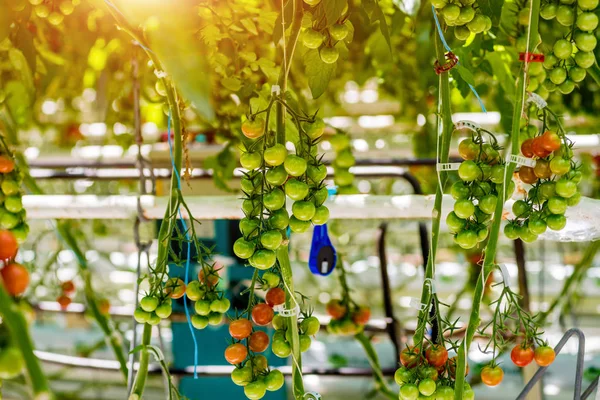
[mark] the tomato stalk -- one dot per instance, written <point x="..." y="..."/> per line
<point x="20" y="335"/>
<point x="445" y="128"/>
<point x="594" y="72"/>
<point x="380" y="382"/>
<point x="490" y="251"/>
<point x="292" y="322"/>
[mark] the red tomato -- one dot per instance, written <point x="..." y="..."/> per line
<point x="213" y="278"/>
<point x="436" y="355"/>
<point x="6" y="165"/>
<point x="258" y="341"/>
<point x="551" y="141"/>
<point x="410" y="357"/>
<point x="236" y="353"/>
<point x="8" y="245"/>
<point x="175" y="288"/>
<point x="544" y="356"/>
<point x="521" y="356"/>
<point x="68" y="287"/>
<point x="240" y="328"/>
<point x="336" y="309"/>
<point x="63" y="300"/>
<point x="526" y="149"/>
<point x="361" y="316"/>
<point x="15" y="278"/>
<point x="262" y="314"/>
<point x="537" y="146"/>
<point x="492" y="376"/>
<point x="275" y="297"/>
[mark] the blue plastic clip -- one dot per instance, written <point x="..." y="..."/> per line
<point x="323" y="257"/>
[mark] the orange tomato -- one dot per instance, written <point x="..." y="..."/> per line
<point x="15" y="278"/>
<point x="258" y="341"/>
<point x="240" y="328"/>
<point x="68" y="287"/>
<point x="527" y="175"/>
<point x="8" y="245"/>
<point x="6" y="165"/>
<point x="361" y="316"/>
<point x="275" y="297"/>
<point x="175" y="288"/>
<point x="236" y="353"/>
<point x="63" y="300"/>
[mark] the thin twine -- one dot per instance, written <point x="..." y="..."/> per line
<point x="187" y="237"/>
<point x="285" y="68"/>
<point x="443" y="39"/>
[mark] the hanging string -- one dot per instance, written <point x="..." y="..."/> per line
<point x="188" y="253"/>
<point x="443" y="39"/>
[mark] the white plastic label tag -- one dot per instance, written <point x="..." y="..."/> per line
<point x="447" y="166"/>
<point x="505" y="275"/>
<point x="276" y="89"/>
<point x="431" y="284"/>
<point x="312" y="396"/>
<point x="474" y="126"/>
<point x="416" y="304"/>
<point x="537" y="99"/>
<point x="160" y="74"/>
<point x="284" y="312"/>
<point x="520" y="160"/>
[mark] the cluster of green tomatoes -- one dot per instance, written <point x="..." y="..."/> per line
<point x="571" y="55"/>
<point x="344" y="160"/>
<point x="12" y="213"/>
<point x="272" y="175"/>
<point x="317" y="36"/>
<point x="476" y="193"/>
<point x="464" y="15"/>
<point x="554" y="180"/>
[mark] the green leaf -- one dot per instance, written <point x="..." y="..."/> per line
<point x="18" y="101"/>
<point x="465" y="74"/>
<point x="232" y="83"/>
<point x="333" y="10"/>
<point x="509" y="18"/>
<point x="374" y="12"/>
<point x="24" y="42"/>
<point x="500" y="63"/>
<point x="249" y="25"/>
<point x="461" y="84"/>
<point x="18" y="61"/>
<point x="222" y="165"/>
<point x="318" y="73"/>
<point x="492" y="8"/>
<point x="288" y="16"/>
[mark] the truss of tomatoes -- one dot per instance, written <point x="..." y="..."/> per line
<point x="248" y="340"/>
<point x="476" y="193"/>
<point x="347" y="318"/>
<point x="553" y="181"/>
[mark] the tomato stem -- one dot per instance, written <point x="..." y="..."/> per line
<point x="373" y="359"/>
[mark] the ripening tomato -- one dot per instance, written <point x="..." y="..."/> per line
<point x="275" y="297"/>
<point x="526" y="148"/>
<point x="550" y="141"/>
<point x="521" y="355"/>
<point x="436" y="355"/>
<point x="527" y="175"/>
<point x="542" y="169"/>
<point x="410" y="357"/>
<point x="175" y="288"/>
<point x="104" y="306"/>
<point x="544" y="356"/>
<point x="8" y="245"/>
<point x="253" y="129"/>
<point x="6" y="165"/>
<point x="336" y="309"/>
<point x="468" y="149"/>
<point x="15" y="278"/>
<point x="537" y="147"/>
<point x="492" y="376"/>
<point x="63" y="300"/>
<point x="361" y="316"/>
<point x="262" y="314"/>
<point x="236" y="353"/>
<point x="213" y="278"/>
<point x="240" y="328"/>
<point x="68" y="287"/>
<point x="258" y="341"/>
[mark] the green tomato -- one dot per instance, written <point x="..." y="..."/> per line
<point x="451" y="12"/>
<point x="9" y="187"/>
<point x="533" y="84"/>
<point x="526" y="235"/>
<point x="251" y="160"/>
<point x="537" y="226"/>
<point x="298" y="226"/>
<point x="577" y="74"/>
<point x="585" y="41"/>
<point x="314" y="130"/>
<point x="329" y="55"/>
<point x="487" y="204"/>
<point x="439" y="3"/>
<point x="215" y="305"/>
<point x="9" y="220"/>
<point x="460" y="190"/>
<point x="566" y="87"/>
<point x="224" y="305"/>
<point x="20" y="232"/>
<point x="587" y="4"/>
<point x="276" y="176"/>
<point x="468" y="394"/>
<point x="560" y="166"/>
<point x="243" y="249"/>
<point x="427" y="387"/>
<point x="409" y="392"/>
<point x="558" y="75"/>
<point x="317" y="173"/>
<point x="279" y="219"/>
<point x="339" y="31"/>
<point x="511" y="232"/>
<point x="548" y="11"/>
<point x="523" y="16"/>
<point x="251" y="208"/>
<point x="305" y="342"/>
<point x="444" y="393"/>
<point x="556" y="222"/>
<point x="469" y="171"/>
<point x="271" y="240"/>
<point x="141" y="316"/>
<point x="587" y="21"/>
<point x="11" y="363"/>
<point x="294" y="165"/>
<point x="321" y="215"/>
<point x="345" y="159"/>
<point x="550" y="61"/>
<point x="13" y="204"/>
<point x="464" y="208"/>
<point x="202" y="307"/>
<point x="340" y="141"/>
<point x="215" y="318"/>
<point x="563" y="49"/>
<point x="149" y="303"/>
<point x="482" y="234"/>
<point x="250" y="183"/>
<point x="255" y="390"/>
<point x="303" y="210"/>
<point x="296" y="190"/>
<point x="310" y="326"/>
<point x="557" y="205"/>
<point x="274" y="200"/>
<point x="164" y="310"/>
<point x="249" y="227"/>
<point x="455" y="223"/>
<point x="194" y="291"/>
<point x="320" y="196"/>
<point x="312" y="39"/>
<point x="263" y="259"/>
<point x="275" y="155"/>
<point x="343" y="177"/>
<point x="466" y="239"/>
<point x="521" y="209"/>
<point x="154" y="319"/>
<point x="462" y="32"/>
<point x="574" y="200"/>
<point x="270" y="279"/>
<point x="281" y="348"/>
<point x="242" y="376"/>
<point x="402" y="376"/>
<point x="585" y="59"/>
<point x="278" y="323"/>
<point x="565" y="15"/>
<point x="199" y="322"/>
<point x="565" y="188"/>
<point x="546" y="190"/>
<point x="274" y="380"/>
<point x="478" y="24"/>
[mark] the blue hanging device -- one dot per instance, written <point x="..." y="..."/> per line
<point x="323" y="257"/>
